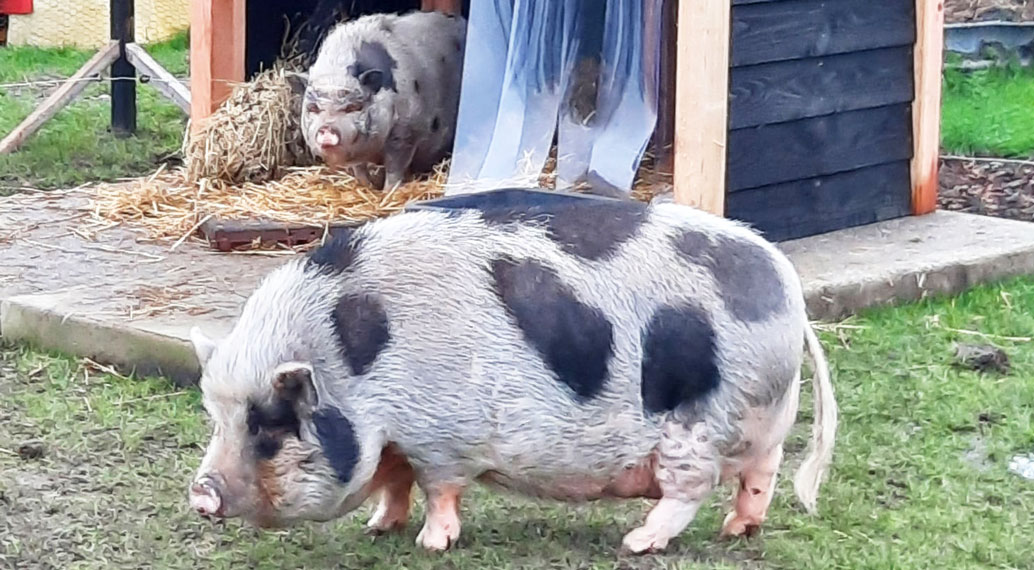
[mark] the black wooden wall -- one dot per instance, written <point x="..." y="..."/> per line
<point x="820" y="128"/>
<point x="267" y="21"/>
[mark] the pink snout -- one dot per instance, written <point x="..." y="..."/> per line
<point x="206" y="497"/>
<point x="328" y="137"/>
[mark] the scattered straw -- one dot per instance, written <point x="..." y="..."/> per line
<point x="170" y="206"/>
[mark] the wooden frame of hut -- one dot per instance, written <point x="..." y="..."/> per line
<point x="797" y="116"/>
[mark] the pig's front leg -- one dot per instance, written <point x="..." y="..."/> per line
<point x="393" y="482"/>
<point x="398" y="155"/>
<point x="442" y="525"/>
<point x="361" y="172"/>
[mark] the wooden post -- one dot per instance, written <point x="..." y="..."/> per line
<point x="926" y="109"/>
<point x="447" y="6"/>
<point x="701" y="103"/>
<point x="664" y="133"/>
<point x="123" y="74"/>
<point x="216" y="54"/>
<point x="165" y="82"/>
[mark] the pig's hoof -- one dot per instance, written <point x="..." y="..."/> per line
<point x="736" y="526"/>
<point x="436" y="539"/>
<point x="377" y="527"/>
<point x="643" y="541"/>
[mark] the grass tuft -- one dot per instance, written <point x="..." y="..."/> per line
<point x="76" y="146"/>
<point x="989" y="112"/>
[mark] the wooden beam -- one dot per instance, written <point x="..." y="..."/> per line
<point x="216" y="54"/>
<point x="926" y="109"/>
<point x="701" y="103"/>
<point x="162" y="80"/>
<point x="123" y="74"/>
<point x="57" y="100"/>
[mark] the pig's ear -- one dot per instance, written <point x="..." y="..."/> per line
<point x="203" y="346"/>
<point x="292" y="381"/>
<point x="372" y="80"/>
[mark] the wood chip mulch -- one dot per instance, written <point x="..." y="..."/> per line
<point x="959" y="11"/>
<point x="990" y="187"/>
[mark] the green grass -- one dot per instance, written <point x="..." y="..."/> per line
<point x="989" y="112"/>
<point x="920" y="478"/>
<point x="75" y="146"/>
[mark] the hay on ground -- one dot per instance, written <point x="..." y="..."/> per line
<point x="168" y="205"/>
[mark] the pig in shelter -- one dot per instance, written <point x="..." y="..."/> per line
<point x="384" y="92"/>
<point x="580" y="349"/>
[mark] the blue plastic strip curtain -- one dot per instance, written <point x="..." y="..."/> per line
<point x="579" y="73"/>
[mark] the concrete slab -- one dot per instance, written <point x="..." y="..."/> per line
<point x="908" y="259"/>
<point x="109" y="295"/>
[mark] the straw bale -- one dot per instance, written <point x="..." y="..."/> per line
<point x="253" y="135"/>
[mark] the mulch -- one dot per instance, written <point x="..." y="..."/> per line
<point x="960" y="11"/>
<point x="991" y="187"/>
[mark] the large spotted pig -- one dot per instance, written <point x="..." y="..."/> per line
<point x="578" y="350"/>
<point x="384" y="91"/>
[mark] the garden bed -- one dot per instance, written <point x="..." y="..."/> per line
<point x="987" y="186"/>
<point x="959" y="11"/>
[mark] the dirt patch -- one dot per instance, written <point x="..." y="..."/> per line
<point x="989" y="187"/>
<point x="960" y="11"/>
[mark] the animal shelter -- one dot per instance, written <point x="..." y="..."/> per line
<point x="797" y="116"/>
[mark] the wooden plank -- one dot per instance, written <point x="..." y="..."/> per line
<point x="228" y="235"/>
<point x="164" y="82"/>
<point x="123" y="74"/>
<point x="771" y="154"/>
<point x="60" y="97"/>
<point x="794" y="29"/>
<point x="818" y="205"/>
<point x="798" y="89"/>
<point x="701" y="105"/>
<point x="926" y="111"/>
<point x="216" y="54"/>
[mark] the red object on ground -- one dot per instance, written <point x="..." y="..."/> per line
<point x="15" y="6"/>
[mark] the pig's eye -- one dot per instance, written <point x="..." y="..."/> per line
<point x="352" y="108"/>
<point x="313" y="108"/>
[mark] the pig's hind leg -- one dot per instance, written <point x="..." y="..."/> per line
<point x="757" y="484"/>
<point x="687" y="471"/>
<point x="757" y="475"/>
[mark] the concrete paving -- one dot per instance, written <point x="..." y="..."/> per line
<point x="112" y="296"/>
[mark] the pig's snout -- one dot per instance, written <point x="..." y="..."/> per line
<point x="328" y="137"/>
<point x="206" y="497"/>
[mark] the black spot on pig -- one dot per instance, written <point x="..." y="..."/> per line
<point x="435" y="125"/>
<point x="588" y="228"/>
<point x="337" y="438"/>
<point x="574" y="339"/>
<point x="747" y="278"/>
<point x="270" y="424"/>
<point x="373" y="67"/>
<point x="679" y="365"/>
<point x="339" y="253"/>
<point x="362" y="327"/>
<point x="416" y="86"/>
